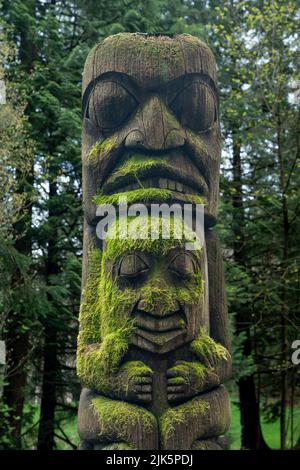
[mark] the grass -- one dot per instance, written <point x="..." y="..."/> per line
<point x="271" y="431"/>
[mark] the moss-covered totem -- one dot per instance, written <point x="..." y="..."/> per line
<point x="153" y="346"/>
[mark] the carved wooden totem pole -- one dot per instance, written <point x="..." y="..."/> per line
<point x="153" y="346"/>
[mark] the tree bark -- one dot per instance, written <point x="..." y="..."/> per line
<point x="18" y="341"/>
<point x="46" y="439"/>
<point x="251" y="434"/>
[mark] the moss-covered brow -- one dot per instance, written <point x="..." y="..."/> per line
<point x="118" y="248"/>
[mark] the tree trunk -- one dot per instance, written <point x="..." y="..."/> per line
<point x="51" y="365"/>
<point x="18" y="341"/>
<point x="251" y="435"/>
<point x="48" y="400"/>
<point x="285" y="262"/>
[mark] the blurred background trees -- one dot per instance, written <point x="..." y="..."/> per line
<point x="43" y="48"/>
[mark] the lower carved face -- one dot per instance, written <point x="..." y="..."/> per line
<point x="163" y="291"/>
<point x="150" y="108"/>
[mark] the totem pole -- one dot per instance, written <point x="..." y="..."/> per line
<point x="153" y="346"/>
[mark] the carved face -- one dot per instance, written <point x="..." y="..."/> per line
<point x="163" y="287"/>
<point x="150" y="120"/>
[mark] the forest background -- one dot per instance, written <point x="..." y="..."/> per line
<point x="43" y="46"/>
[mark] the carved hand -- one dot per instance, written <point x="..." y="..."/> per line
<point x="188" y="379"/>
<point x="134" y="382"/>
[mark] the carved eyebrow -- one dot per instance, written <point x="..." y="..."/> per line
<point x="128" y="82"/>
<point x="131" y="84"/>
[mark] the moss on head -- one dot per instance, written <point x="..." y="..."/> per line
<point x="156" y="235"/>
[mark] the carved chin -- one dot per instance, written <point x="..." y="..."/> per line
<point x="159" y="334"/>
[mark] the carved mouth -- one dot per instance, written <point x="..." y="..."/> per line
<point x="161" y="183"/>
<point x="158" y="332"/>
<point x="178" y="174"/>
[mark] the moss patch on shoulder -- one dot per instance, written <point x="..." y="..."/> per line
<point x="205" y="347"/>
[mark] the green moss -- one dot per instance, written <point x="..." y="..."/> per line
<point x="179" y="380"/>
<point x="147" y="195"/>
<point x="118" y="243"/>
<point x="105" y="322"/>
<point x="135" y="369"/>
<point x="90" y="314"/>
<point x="104" y="326"/>
<point x="115" y="307"/>
<point x="205" y="347"/>
<point x="193" y="409"/>
<point x="117" y="418"/>
<point x="161" y="48"/>
<point x="136" y="163"/>
<point x="106" y="145"/>
<point x="136" y="195"/>
<point x="119" y="446"/>
<point x="185" y="369"/>
<point x="96" y="367"/>
<point x="200" y="446"/>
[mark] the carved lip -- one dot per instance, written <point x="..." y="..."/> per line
<point x="159" y="330"/>
<point x="148" y="322"/>
<point x="159" y="175"/>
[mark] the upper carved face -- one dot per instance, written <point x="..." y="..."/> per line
<point x="150" y="119"/>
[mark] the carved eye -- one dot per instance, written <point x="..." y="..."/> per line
<point x="110" y="104"/>
<point x="195" y="107"/>
<point x="132" y="266"/>
<point x="182" y="265"/>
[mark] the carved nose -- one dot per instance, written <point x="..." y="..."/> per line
<point x="157" y="310"/>
<point x="157" y="128"/>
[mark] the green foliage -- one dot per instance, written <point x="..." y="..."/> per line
<point x="256" y="46"/>
<point x="116" y="417"/>
<point x="183" y="413"/>
<point x="205" y="347"/>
